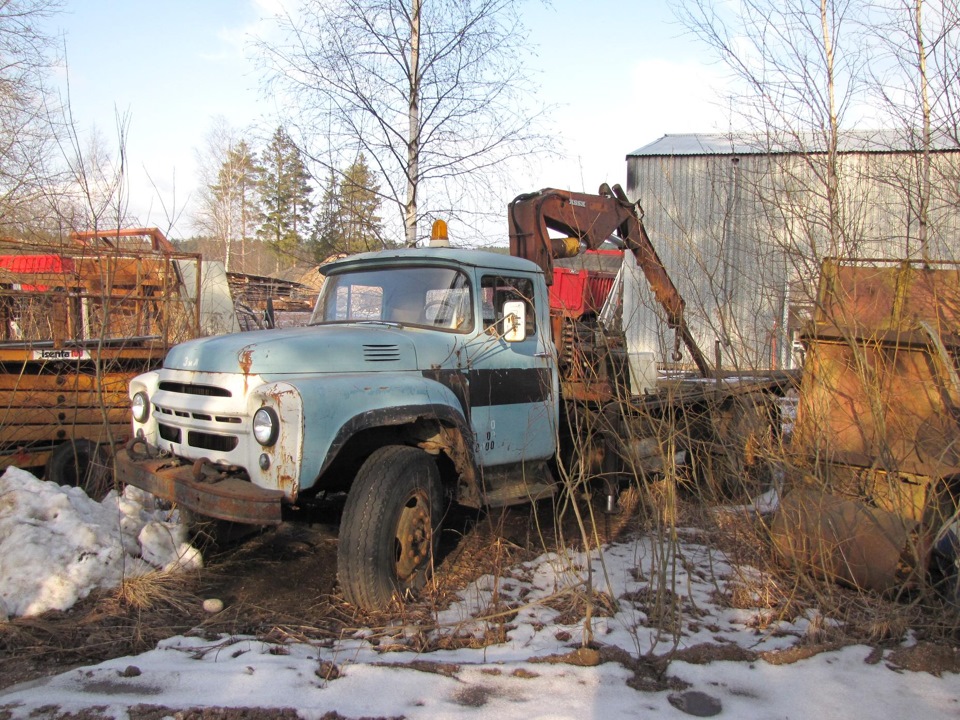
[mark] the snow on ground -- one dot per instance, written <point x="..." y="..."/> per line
<point x="57" y="545"/>
<point x="536" y="671"/>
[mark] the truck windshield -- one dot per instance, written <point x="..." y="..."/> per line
<point x="431" y="297"/>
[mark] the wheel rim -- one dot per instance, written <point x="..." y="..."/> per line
<point x="414" y="537"/>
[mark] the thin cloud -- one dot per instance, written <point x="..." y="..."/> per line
<point x="235" y="41"/>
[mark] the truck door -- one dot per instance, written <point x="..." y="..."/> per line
<point x="513" y="385"/>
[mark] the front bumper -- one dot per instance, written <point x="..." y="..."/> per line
<point x="232" y="499"/>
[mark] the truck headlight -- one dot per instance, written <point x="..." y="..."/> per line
<point x="140" y="407"/>
<point x="266" y="426"/>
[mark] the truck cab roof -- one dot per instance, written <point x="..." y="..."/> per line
<point x="452" y="256"/>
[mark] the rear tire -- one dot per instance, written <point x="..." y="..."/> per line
<point x="748" y="431"/>
<point x="81" y="463"/>
<point x="390" y="527"/>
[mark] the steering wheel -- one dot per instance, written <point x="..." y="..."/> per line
<point x="445" y="311"/>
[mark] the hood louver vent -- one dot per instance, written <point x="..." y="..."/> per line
<point x="381" y="353"/>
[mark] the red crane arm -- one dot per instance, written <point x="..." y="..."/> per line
<point x="589" y="220"/>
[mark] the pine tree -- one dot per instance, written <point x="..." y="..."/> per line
<point x="361" y="226"/>
<point x="326" y="231"/>
<point x="285" y="204"/>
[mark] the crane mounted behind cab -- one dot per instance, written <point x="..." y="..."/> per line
<point x="589" y="221"/>
<point x="623" y="416"/>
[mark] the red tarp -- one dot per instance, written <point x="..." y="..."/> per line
<point x="37" y="264"/>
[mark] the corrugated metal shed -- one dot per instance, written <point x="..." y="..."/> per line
<point x="862" y="141"/>
<point x="742" y="225"/>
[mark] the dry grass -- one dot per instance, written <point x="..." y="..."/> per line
<point x="144" y="609"/>
<point x="790" y="591"/>
<point x="155" y="589"/>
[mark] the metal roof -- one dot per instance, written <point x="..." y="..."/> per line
<point x="851" y="141"/>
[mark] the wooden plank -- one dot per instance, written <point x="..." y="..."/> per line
<point x="27" y="398"/>
<point x="116" y="382"/>
<point x="24" y="458"/>
<point x="151" y="353"/>
<point x="34" y="433"/>
<point x="59" y="417"/>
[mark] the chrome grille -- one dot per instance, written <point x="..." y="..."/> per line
<point x="206" y="417"/>
<point x="191" y="389"/>
<point x="209" y="441"/>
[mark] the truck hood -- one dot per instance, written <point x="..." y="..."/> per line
<point x="314" y="349"/>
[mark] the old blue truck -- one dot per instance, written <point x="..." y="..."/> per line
<point x="425" y="376"/>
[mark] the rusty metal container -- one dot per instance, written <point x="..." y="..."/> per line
<point x="880" y="389"/>
<point x="878" y="420"/>
<point x="77" y="321"/>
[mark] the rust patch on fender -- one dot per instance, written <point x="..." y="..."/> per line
<point x="245" y="359"/>
<point x="286" y="481"/>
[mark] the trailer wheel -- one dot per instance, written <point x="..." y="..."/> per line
<point x="81" y="463"/>
<point x="390" y="527"/>
<point x="944" y="528"/>
<point x="749" y="437"/>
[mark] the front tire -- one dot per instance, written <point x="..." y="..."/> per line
<point x="390" y="527"/>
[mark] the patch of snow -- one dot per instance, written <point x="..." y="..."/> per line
<point x="664" y="595"/>
<point x="57" y="544"/>
<point x="513" y="680"/>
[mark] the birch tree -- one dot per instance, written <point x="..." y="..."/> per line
<point x="434" y="94"/>
<point x="822" y="78"/>
<point x="799" y="70"/>
<point x="913" y="84"/>
<point x="228" y="205"/>
<point x="28" y="128"/>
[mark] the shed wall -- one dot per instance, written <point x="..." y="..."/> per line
<point x="743" y="235"/>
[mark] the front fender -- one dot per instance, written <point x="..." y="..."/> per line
<point x="336" y="408"/>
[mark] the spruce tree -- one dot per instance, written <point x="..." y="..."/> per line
<point x="285" y="204"/>
<point x="361" y="226"/>
<point x="326" y="232"/>
<point x="348" y="219"/>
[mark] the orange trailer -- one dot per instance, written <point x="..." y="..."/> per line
<point x="77" y="321"/>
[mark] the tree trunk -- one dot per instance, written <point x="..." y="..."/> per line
<point x="228" y="229"/>
<point x="922" y="231"/>
<point x="413" y="136"/>
<point x="833" y="192"/>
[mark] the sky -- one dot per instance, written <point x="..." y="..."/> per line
<point x="537" y="672"/>
<point x="616" y="76"/>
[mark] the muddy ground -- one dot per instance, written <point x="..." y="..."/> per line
<point x="277" y="583"/>
<point x="281" y="584"/>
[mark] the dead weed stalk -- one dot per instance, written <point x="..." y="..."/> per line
<point x="153" y="589"/>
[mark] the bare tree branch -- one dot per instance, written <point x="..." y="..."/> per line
<point x="440" y="113"/>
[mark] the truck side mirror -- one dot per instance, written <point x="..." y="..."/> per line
<point x="514" y="321"/>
